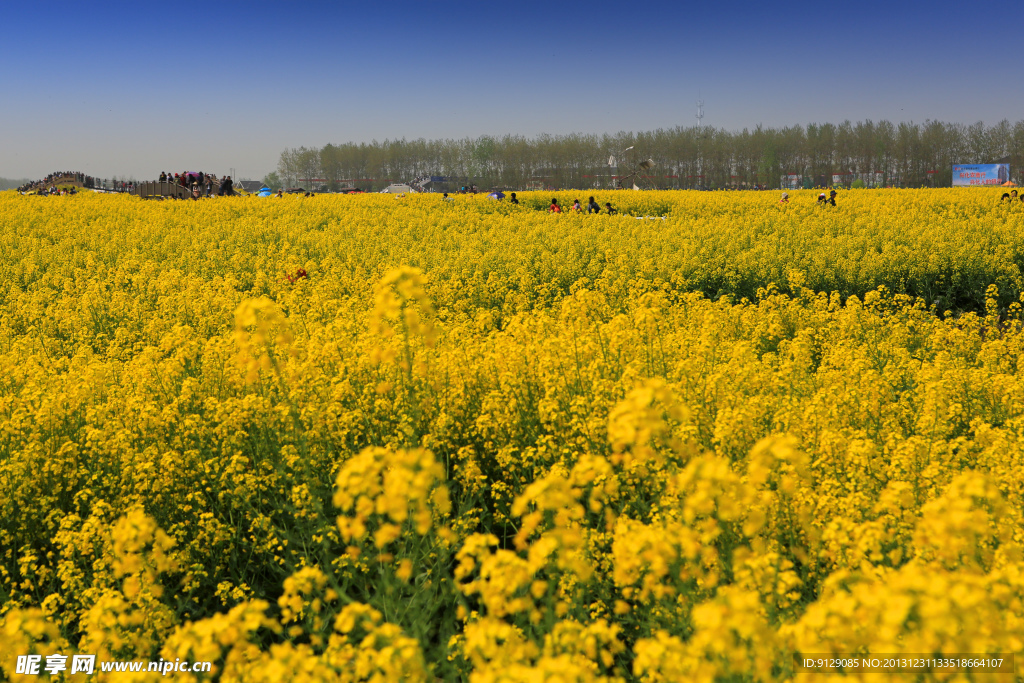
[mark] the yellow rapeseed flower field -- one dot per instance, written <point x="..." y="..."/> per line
<point x="369" y="438"/>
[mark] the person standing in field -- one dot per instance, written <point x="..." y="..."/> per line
<point x="513" y="200"/>
<point x="554" y="208"/>
<point x="785" y="198"/>
<point x="611" y="210"/>
<point x="593" y="207"/>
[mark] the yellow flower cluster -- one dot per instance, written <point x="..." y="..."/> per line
<point x="402" y="489"/>
<point x="479" y="442"/>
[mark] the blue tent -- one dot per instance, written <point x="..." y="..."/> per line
<point x="265" y="192"/>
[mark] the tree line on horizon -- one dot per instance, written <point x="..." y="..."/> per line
<point x="866" y="152"/>
<point x="12" y="183"/>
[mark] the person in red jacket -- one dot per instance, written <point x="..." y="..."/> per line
<point x="554" y="208"/>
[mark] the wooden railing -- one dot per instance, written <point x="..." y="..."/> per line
<point x="158" y="190"/>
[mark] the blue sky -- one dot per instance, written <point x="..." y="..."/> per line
<point x="130" y="89"/>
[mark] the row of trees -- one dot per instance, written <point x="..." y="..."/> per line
<point x="878" y="153"/>
<point x="12" y="183"/>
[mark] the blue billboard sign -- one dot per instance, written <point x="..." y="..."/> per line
<point x="967" y="175"/>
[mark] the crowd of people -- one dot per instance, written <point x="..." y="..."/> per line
<point x="54" y="190"/>
<point x="823" y="199"/>
<point x="830" y="200"/>
<point x="49" y="184"/>
<point x="203" y="184"/>
<point x="68" y="182"/>
<point x="200" y="183"/>
<point x="592" y="207"/>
